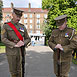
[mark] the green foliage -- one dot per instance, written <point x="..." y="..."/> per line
<point x="2" y="49"/>
<point x="0" y="16"/>
<point x="1" y="44"/>
<point x="0" y="33"/>
<point x="60" y="7"/>
<point x="1" y="10"/>
<point x="74" y="61"/>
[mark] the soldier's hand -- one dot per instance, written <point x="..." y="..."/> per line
<point x="58" y="46"/>
<point x="16" y="45"/>
<point x="20" y="43"/>
<point x="61" y="49"/>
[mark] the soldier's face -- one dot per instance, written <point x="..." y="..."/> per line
<point x="16" y="18"/>
<point x="63" y="26"/>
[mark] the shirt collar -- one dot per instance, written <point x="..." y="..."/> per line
<point x="13" y="22"/>
<point x="64" y="29"/>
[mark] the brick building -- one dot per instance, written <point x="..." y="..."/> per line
<point x="32" y="19"/>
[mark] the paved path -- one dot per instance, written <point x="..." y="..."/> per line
<point x="39" y="63"/>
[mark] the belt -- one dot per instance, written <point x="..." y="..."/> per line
<point x="15" y="41"/>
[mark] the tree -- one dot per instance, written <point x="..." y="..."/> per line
<point x="0" y="16"/>
<point x="1" y="4"/>
<point x="60" y="7"/>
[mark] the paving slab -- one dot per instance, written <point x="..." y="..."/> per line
<point x="39" y="63"/>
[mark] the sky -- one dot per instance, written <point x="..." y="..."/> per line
<point x="22" y="3"/>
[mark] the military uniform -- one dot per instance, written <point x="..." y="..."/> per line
<point x="10" y="39"/>
<point x="63" y="37"/>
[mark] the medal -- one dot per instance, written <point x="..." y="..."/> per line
<point x="66" y="34"/>
<point x="21" y="29"/>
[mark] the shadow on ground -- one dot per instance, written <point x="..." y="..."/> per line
<point x="2" y="56"/>
<point x="39" y="64"/>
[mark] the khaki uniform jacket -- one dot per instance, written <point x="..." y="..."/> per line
<point x="64" y="38"/>
<point x="9" y="38"/>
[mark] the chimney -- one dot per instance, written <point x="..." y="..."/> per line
<point x="12" y="6"/>
<point x="29" y="5"/>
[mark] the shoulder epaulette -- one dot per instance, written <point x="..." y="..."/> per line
<point x="6" y="22"/>
<point x="21" y="24"/>
<point x="73" y="32"/>
<point x="71" y="28"/>
<point x="55" y="29"/>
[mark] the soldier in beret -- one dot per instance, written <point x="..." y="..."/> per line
<point x="14" y="35"/>
<point x="62" y="39"/>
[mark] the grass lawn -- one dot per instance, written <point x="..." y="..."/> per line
<point x="2" y="49"/>
<point x="74" y="61"/>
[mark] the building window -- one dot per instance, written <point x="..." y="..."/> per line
<point x="45" y="21"/>
<point x="38" y="26"/>
<point x="45" y="15"/>
<point x="30" y="26"/>
<point x="30" y="21"/>
<point x="26" y="26"/>
<point x="25" y="21"/>
<point x="2" y="21"/>
<point x="38" y="21"/>
<point x="38" y="15"/>
<point x="30" y="31"/>
<point x="25" y="15"/>
<point x="38" y="32"/>
<point x="30" y="15"/>
<point x="7" y="14"/>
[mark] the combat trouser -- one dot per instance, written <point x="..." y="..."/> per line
<point x="15" y="65"/>
<point x="64" y="69"/>
<point x="19" y="75"/>
<point x="13" y="75"/>
<point x="16" y="75"/>
<point x="62" y="76"/>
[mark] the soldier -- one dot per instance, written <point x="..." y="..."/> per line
<point x="62" y="40"/>
<point x="15" y="37"/>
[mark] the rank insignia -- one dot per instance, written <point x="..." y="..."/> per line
<point x="3" y="31"/>
<point x="66" y="35"/>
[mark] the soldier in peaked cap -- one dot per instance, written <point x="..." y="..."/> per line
<point x="18" y="12"/>
<point x="15" y="37"/>
<point x="62" y="39"/>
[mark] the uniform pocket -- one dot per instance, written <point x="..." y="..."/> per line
<point x="55" y="36"/>
<point x="10" y="32"/>
<point x="9" y="29"/>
